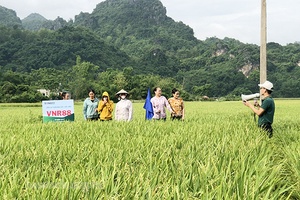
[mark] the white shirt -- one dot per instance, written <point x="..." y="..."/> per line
<point x="159" y="104"/>
<point x="123" y="110"/>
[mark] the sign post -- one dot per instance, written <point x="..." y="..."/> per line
<point x="58" y="110"/>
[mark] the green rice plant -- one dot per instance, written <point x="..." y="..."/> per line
<point x="218" y="152"/>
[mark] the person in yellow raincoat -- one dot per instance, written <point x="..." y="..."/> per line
<point x="105" y="107"/>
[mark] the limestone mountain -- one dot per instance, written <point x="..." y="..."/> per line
<point x="139" y="34"/>
<point x="142" y="29"/>
<point x="34" y="22"/>
<point x="9" y="18"/>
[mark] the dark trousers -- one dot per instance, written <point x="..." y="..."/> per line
<point x="160" y="119"/>
<point x="268" y="128"/>
<point x="105" y="120"/>
<point x="176" y="117"/>
<point x="93" y="119"/>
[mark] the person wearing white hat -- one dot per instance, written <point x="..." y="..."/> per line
<point x="123" y="111"/>
<point x="266" y="110"/>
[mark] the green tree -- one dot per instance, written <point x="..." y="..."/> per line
<point x="84" y="76"/>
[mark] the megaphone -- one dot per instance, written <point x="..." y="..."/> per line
<point x="250" y="96"/>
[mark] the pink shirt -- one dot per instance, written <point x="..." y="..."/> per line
<point x="159" y="104"/>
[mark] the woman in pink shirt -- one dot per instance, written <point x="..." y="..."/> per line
<point x="159" y="103"/>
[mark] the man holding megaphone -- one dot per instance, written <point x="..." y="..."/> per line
<point x="266" y="110"/>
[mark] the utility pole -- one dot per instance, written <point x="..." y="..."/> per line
<point x="263" y="45"/>
<point x="263" y="42"/>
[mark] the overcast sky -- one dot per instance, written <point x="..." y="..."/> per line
<point x="238" y="19"/>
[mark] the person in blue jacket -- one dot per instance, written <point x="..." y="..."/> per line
<point x="90" y="106"/>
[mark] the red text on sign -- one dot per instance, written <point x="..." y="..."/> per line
<point x="59" y="113"/>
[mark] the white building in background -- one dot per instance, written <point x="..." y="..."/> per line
<point x="44" y="92"/>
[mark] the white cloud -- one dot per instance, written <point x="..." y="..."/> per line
<point x="239" y="19"/>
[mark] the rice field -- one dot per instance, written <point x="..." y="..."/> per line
<point x="216" y="153"/>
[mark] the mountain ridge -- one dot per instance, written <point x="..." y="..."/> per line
<point x="154" y="44"/>
<point x="8" y="17"/>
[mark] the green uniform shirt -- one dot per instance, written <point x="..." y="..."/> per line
<point x="269" y="109"/>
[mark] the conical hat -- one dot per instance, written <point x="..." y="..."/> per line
<point x="122" y="92"/>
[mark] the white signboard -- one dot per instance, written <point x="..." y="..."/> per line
<point x="58" y="110"/>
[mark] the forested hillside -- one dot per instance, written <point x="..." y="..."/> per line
<point x="133" y="44"/>
<point x="23" y="50"/>
<point x="142" y="30"/>
<point x="34" y="22"/>
<point x="9" y="17"/>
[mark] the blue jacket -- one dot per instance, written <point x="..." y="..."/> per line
<point x="89" y="108"/>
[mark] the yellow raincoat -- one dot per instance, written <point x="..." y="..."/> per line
<point x="106" y="109"/>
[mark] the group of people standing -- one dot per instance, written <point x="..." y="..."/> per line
<point x="95" y="109"/>
<point x="174" y="105"/>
